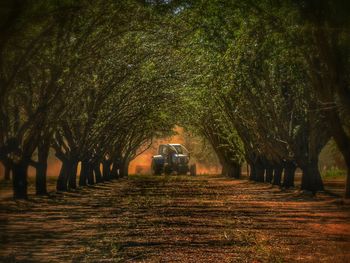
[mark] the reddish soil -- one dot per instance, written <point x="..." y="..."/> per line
<point x="176" y="219"/>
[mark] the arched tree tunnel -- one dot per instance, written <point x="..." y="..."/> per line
<point x="96" y="82"/>
<point x="258" y="91"/>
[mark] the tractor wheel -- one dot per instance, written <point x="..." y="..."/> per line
<point x="182" y="171"/>
<point x="193" y="170"/>
<point x="167" y="170"/>
<point x="156" y="170"/>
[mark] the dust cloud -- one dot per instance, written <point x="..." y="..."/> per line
<point x="142" y="163"/>
<point x="53" y="168"/>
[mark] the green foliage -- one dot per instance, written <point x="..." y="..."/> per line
<point x="92" y="77"/>
<point x="334" y="173"/>
<point x="250" y="80"/>
<point x="253" y="78"/>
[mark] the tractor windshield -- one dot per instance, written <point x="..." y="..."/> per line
<point x="180" y="149"/>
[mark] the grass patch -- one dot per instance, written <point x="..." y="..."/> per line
<point x="334" y="173"/>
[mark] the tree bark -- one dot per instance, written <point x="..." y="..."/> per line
<point x="252" y="175"/>
<point x="62" y="181"/>
<point x="237" y="171"/>
<point x="116" y="170"/>
<point x="224" y="165"/>
<point x="83" y="173"/>
<point x="260" y="171"/>
<point x="277" y="175"/>
<point x="311" y="179"/>
<point x="106" y="170"/>
<point x="223" y="169"/>
<point x="72" y="181"/>
<point x="7" y="173"/>
<point x="19" y="180"/>
<point x="40" y="179"/>
<point x="124" y="169"/>
<point x="269" y="174"/>
<point x="347" y="186"/>
<point x="41" y="169"/>
<point x="231" y="169"/>
<point x="289" y="174"/>
<point x="343" y="142"/>
<point x="97" y="172"/>
<point x="90" y="174"/>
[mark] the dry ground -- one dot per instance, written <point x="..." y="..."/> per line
<point x="176" y="219"/>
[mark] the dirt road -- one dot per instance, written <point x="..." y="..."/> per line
<point x="176" y="219"/>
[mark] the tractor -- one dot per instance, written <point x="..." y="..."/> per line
<point x="172" y="158"/>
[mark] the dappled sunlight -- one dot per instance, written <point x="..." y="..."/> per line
<point x="180" y="218"/>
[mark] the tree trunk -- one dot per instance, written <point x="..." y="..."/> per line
<point x="97" y="172"/>
<point x="238" y="171"/>
<point x="260" y="171"/>
<point x="252" y="175"/>
<point x="62" y="181"/>
<point x="41" y="169"/>
<point x="223" y="169"/>
<point x="277" y="175"/>
<point x="269" y="174"/>
<point x="124" y="169"/>
<point x="311" y="179"/>
<point x="90" y="174"/>
<point x="19" y="180"/>
<point x="234" y="170"/>
<point x="329" y="82"/>
<point x="7" y="173"/>
<point x="116" y="169"/>
<point x="289" y="174"/>
<point x="40" y="179"/>
<point x="83" y="173"/>
<point x="106" y="170"/>
<point x="343" y="142"/>
<point x="72" y="181"/>
<point x="347" y="186"/>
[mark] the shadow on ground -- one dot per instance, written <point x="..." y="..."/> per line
<point x="175" y="219"/>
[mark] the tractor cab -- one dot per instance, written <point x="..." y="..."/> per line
<point x="171" y="158"/>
